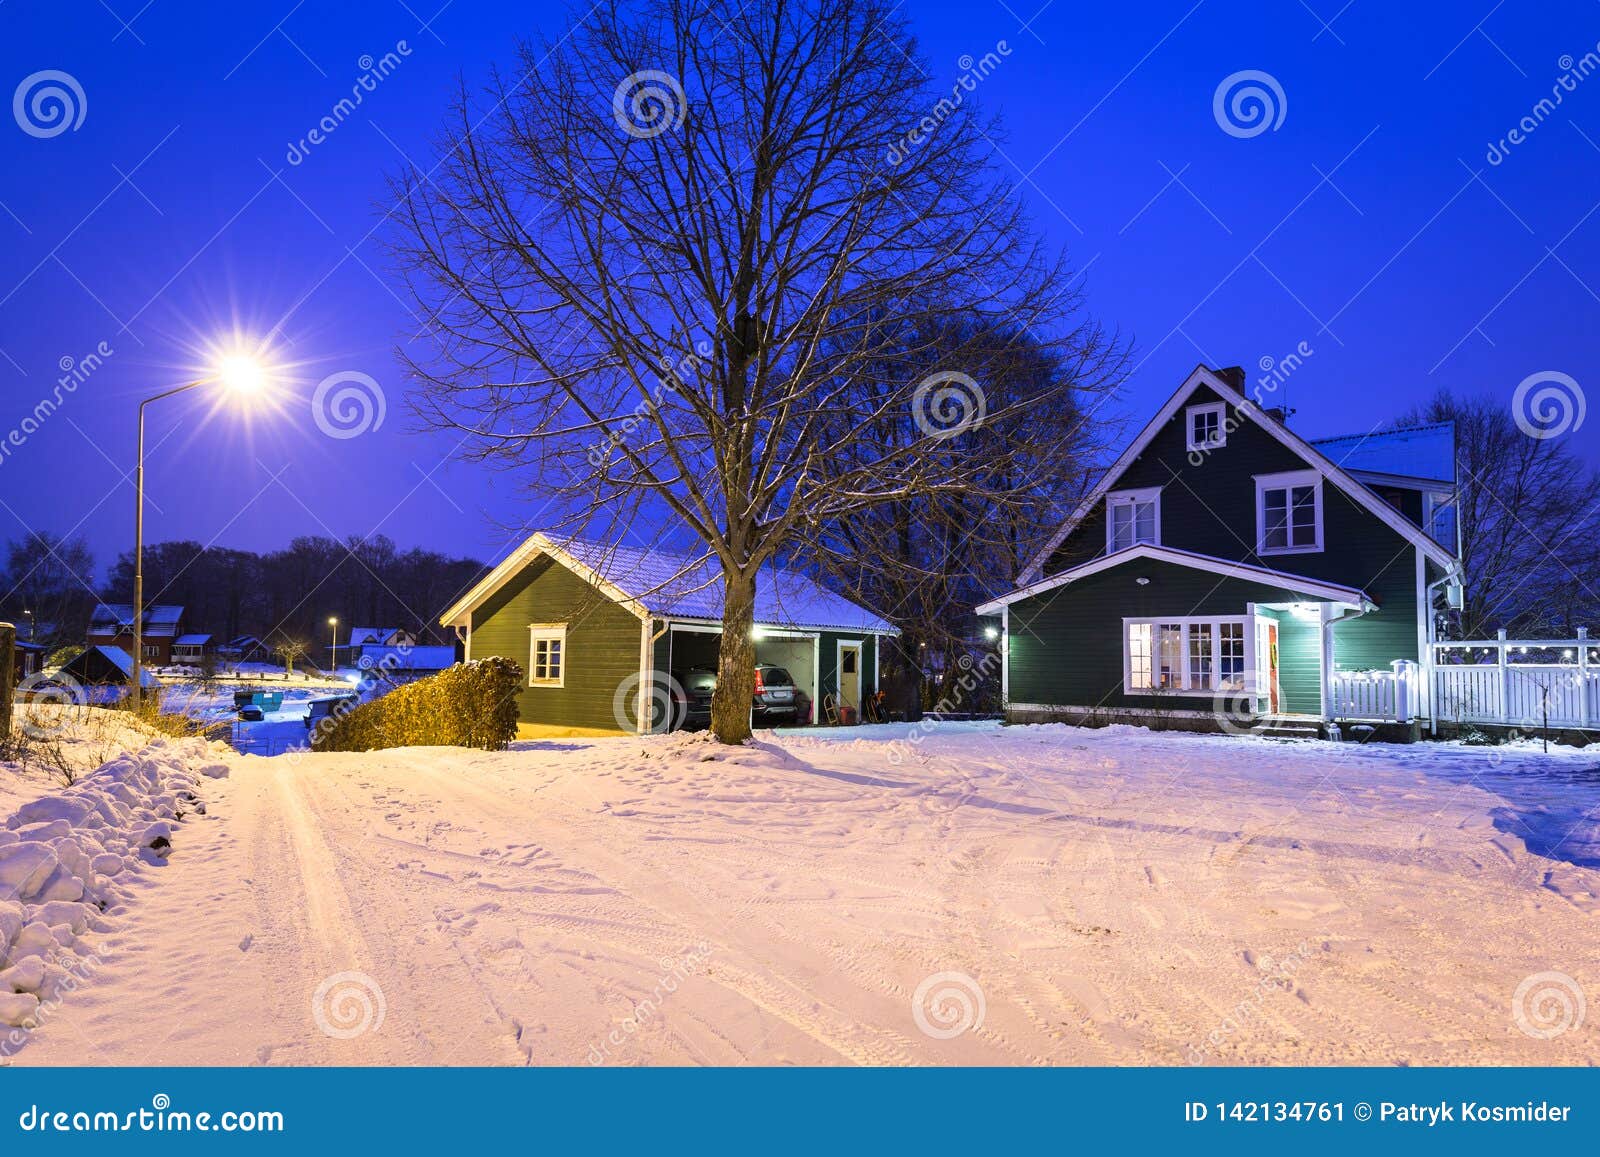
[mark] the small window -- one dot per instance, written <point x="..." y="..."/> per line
<point x="1132" y="517"/>
<point x="1289" y="512"/>
<point x="1207" y="426"/>
<point x="547" y="658"/>
<point x="850" y="662"/>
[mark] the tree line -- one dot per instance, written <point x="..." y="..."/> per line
<point x="282" y="594"/>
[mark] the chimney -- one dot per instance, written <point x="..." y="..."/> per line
<point x="1233" y="375"/>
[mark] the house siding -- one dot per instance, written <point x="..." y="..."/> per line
<point x="602" y="649"/>
<point x="1066" y="644"/>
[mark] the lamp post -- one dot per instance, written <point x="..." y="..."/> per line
<point x="333" y="663"/>
<point x="241" y="375"/>
<point x="31" y="623"/>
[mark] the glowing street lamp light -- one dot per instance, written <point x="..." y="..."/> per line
<point x="242" y="376"/>
<point x="333" y="626"/>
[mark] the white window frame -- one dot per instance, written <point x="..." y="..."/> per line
<point x="1187" y="624"/>
<point x="1220" y="409"/>
<point x="1288" y="480"/>
<point x="546" y="633"/>
<point x="1150" y="494"/>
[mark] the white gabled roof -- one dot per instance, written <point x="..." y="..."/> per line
<point x="1313" y="588"/>
<point x="1240" y="404"/>
<point x="666" y="584"/>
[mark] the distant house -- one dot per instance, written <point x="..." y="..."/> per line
<point x="27" y="659"/>
<point x="592" y="622"/>
<point x="191" y="650"/>
<point x="245" y="649"/>
<point x="111" y="625"/>
<point x="404" y="664"/>
<point x="381" y="637"/>
<point x="102" y="665"/>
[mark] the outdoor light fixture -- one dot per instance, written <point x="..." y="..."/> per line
<point x="1142" y="581"/>
<point x="241" y="374"/>
<point x="991" y="633"/>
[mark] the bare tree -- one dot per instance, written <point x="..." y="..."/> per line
<point x="291" y="649"/>
<point x="1529" y="512"/>
<point x="926" y="561"/>
<point x="658" y="263"/>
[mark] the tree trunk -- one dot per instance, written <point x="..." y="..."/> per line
<point x="8" y="638"/>
<point x="736" y="661"/>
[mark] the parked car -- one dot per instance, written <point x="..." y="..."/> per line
<point x="327" y="705"/>
<point x="772" y="705"/>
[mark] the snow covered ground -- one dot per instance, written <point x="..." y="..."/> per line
<point x="74" y="856"/>
<point x="879" y="895"/>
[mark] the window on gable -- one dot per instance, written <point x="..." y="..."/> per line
<point x="1206" y="426"/>
<point x="1289" y="512"/>
<point x="1132" y="517"/>
<point x="547" y="658"/>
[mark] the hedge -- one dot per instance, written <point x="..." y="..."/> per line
<point x="469" y="705"/>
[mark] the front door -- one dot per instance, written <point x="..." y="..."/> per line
<point x="1267" y="664"/>
<point x="850" y="674"/>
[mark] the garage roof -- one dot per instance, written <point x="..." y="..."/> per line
<point x="667" y="584"/>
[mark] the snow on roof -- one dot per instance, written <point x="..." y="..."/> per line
<point x="158" y="620"/>
<point x="409" y="658"/>
<point x="676" y="585"/>
<point x="191" y="640"/>
<point x="1415" y="452"/>
<point x="363" y="636"/>
<point x="120" y="659"/>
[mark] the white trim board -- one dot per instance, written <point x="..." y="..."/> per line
<point x="1316" y="588"/>
<point x="1242" y="406"/>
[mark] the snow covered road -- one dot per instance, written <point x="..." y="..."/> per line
<point x="977" y="895"/>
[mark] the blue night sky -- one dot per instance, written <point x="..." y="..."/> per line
<point x="1369" y="225"/>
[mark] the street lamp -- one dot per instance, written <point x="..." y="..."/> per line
<point x="31" y="624"/>
<point x="241" y="375"/>
<point x="333" y="664"/>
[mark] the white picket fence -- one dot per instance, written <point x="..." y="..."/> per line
<point x="1526" y="683"/>
<point x="1381" y="696"/>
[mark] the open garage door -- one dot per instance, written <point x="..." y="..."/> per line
<point x="797" y="653"/>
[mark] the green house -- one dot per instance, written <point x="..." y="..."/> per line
<point x="1227" y="574"/>
<point x="594" y="623"/>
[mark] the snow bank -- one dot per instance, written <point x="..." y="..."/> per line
<point x="64" y="859"/>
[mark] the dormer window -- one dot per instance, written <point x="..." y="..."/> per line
<point x="1207" y="426"/>
<point x="1132" y="517"/>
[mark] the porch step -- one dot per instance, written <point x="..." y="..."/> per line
<point x="1290" y="728"/>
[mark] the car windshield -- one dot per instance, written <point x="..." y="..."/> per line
<point x="776" y="677"/>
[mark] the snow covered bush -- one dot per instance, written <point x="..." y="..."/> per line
<point x="61" y="859"/>
<point x="469" y="705"/>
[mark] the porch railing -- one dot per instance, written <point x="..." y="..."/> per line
<point x="1379" y="696"/>
<point x="1527" y="683"/>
